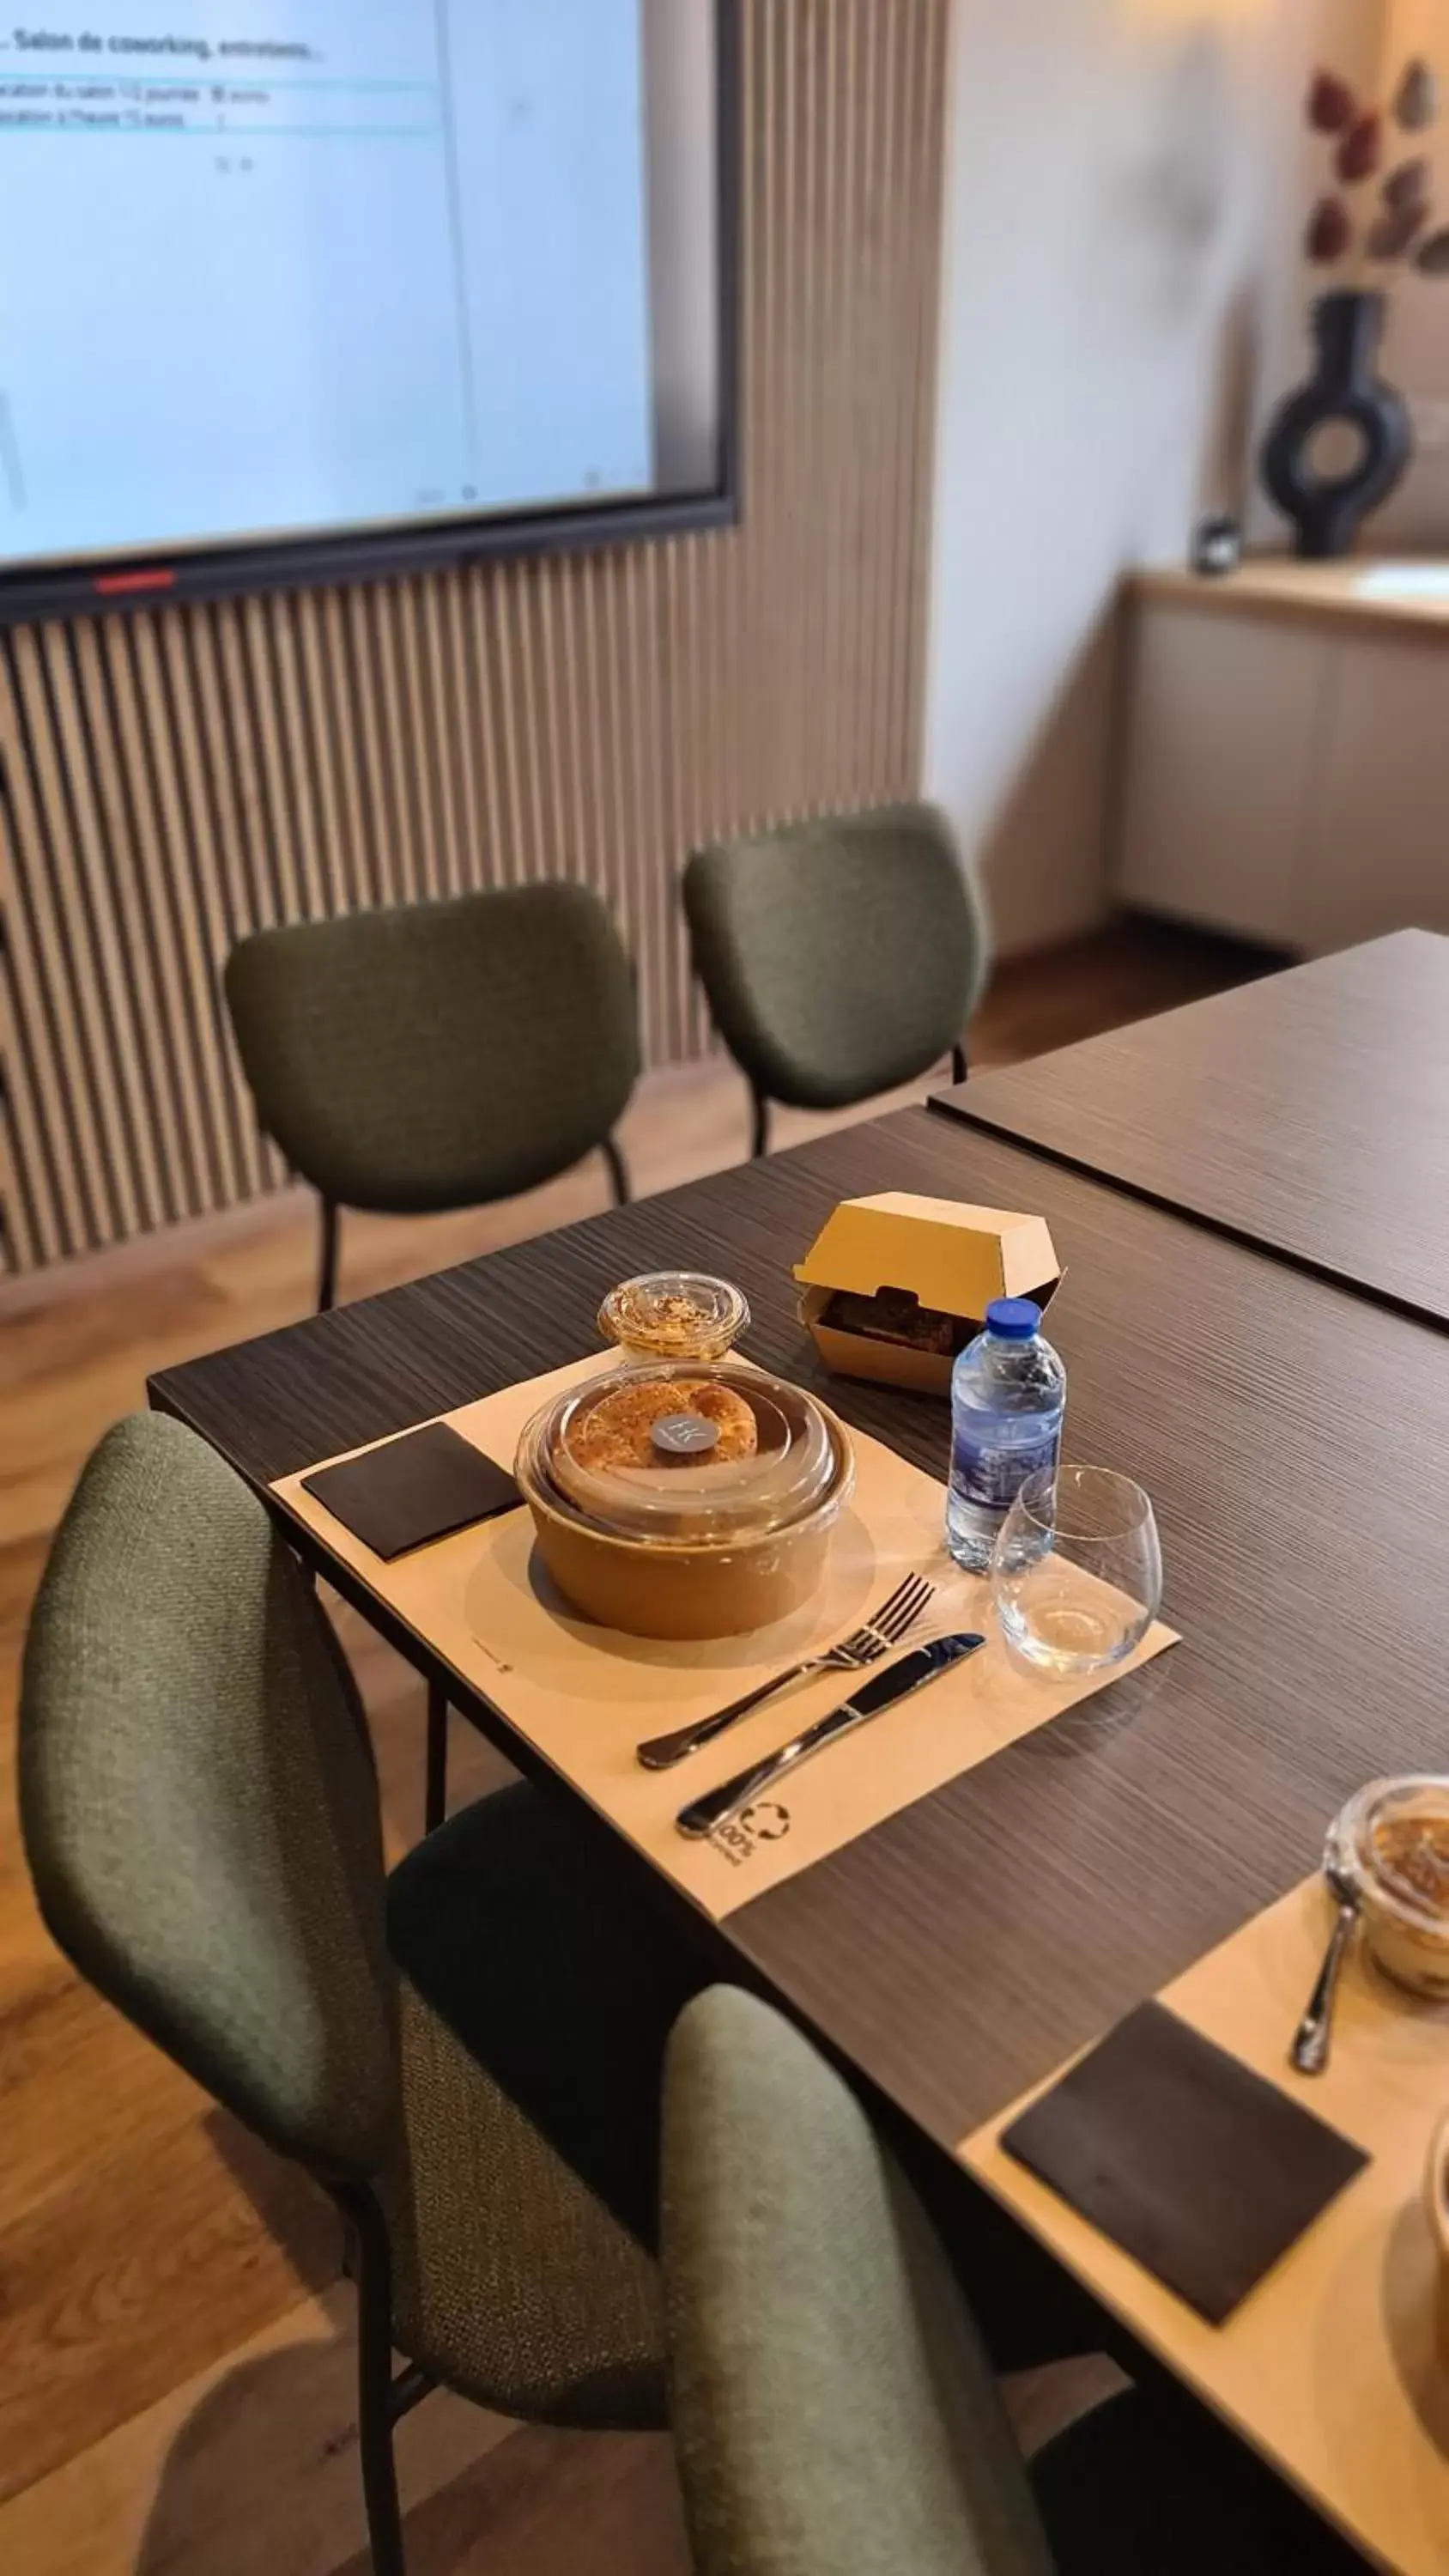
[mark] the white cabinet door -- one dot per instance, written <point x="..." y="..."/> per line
<point x="1378" y="857"/>
<point x="1220" y="754"/>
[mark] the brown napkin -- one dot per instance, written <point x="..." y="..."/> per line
<point x="1184" y="2157"/>
<point x="418" y="1487"/>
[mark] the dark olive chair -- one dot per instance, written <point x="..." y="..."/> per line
<point x="467" y="2057"/>
<point x="832" y="2401"/>
<point x="839" y="956"/>
<point x="438" y="1055"/>
<point x="434" y="1056"/>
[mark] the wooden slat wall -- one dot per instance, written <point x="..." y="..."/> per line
<point x="173" y="778"/>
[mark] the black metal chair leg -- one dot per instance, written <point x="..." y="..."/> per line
<point x="958" y="1064"/>
<point x="327" y="1269"/>
<point x="435" y="1799"/>
<point x="618" y="1172"/>
<point x="760" y="1138"/>
<point x="408" y="2390"/>
<point x="375" y="2392"/>
<point x="379" y="2490"/>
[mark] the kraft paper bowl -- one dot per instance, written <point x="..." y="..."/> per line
<point x="679" y="1583"/>
<point x="1436" y="2201"/>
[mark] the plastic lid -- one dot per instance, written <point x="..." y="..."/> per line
<point x="1013" y="1319"/>
<point x="1392" y="1839"/>
<point x="674" y="1315"/>
<point x="686" y="1452"/>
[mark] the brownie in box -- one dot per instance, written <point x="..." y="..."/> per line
<point x="894" y="1286"/>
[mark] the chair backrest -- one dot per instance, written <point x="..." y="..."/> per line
<point x="839" y="956"/>
<point x="199" y="1802"/>
<point x="831" y="2403"/>
<point x="437" y="1055"/>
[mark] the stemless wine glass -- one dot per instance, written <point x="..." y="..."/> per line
<point x="1077" y="1571"/>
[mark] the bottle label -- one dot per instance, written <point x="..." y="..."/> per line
<point x="989" y="1475"/>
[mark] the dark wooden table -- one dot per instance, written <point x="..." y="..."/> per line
<point x="1296" y="1441"/>
<point x="1308" y="1112"/>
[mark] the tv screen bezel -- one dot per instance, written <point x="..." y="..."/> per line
<point x="100" y="585"/>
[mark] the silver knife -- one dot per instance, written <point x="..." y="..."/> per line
<point x="705" y="1815"/>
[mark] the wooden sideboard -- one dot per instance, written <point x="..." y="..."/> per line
<point x="1285" y="770"/>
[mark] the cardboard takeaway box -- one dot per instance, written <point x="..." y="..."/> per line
<point x="948" y="1257"/>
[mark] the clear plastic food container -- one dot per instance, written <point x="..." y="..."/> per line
<point x="688" y="1499"/>
<point x="1392" y="1840"/>
<point x="674" y="1315"/>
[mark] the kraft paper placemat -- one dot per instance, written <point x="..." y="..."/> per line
<point x="583" y="1696"/>
<point x="1330" y="2366"/>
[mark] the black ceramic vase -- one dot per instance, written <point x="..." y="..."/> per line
<point x="1343" y="386"/>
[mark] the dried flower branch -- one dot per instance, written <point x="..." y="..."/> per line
<point x="1416" y="100"/>
<point x="1408" y="185"/>
<point x="1330" y="230"/>
<point x="1395" y="229"/>
<point x="1360" y="148"/>
<point x="1389" y="230"/>
<point x="1330" y="103"/>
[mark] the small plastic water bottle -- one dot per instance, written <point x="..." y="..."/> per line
<point x="1008" y="1395"/>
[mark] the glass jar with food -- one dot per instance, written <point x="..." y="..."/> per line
<point x="1392" y="1840"/>
<point x="673" y="1315"/>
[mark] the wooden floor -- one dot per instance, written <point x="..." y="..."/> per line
<point x="175" y="2344"/>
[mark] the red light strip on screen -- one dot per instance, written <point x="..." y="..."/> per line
<point x="112" y="584"/>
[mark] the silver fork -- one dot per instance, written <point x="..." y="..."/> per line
<point x="874" y="1638"/>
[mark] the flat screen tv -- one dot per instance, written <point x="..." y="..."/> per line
<point x="305" y="290"/>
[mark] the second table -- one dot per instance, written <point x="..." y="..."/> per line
<point x="1308" y="1113"/>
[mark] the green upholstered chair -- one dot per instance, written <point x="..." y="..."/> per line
<point x="832" y="2401"/>
<point x="467" y="2057"/>
<point x="839" y="956"/>
<point x="438" y="1055"/>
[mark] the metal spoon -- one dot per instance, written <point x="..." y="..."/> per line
<point x="1309" y="2052"/>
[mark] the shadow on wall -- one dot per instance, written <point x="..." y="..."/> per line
<point x="1168" y="205"/>
<point x="1053" y="824"/>
<point x="1049" y="828"/>
<point x="1227" y="471"/>
<point x="1098" y="349"/>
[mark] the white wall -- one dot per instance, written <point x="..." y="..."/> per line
<point x="1120" y="176"/>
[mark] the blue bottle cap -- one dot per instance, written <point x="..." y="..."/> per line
<point x="1013" y="1319"/>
